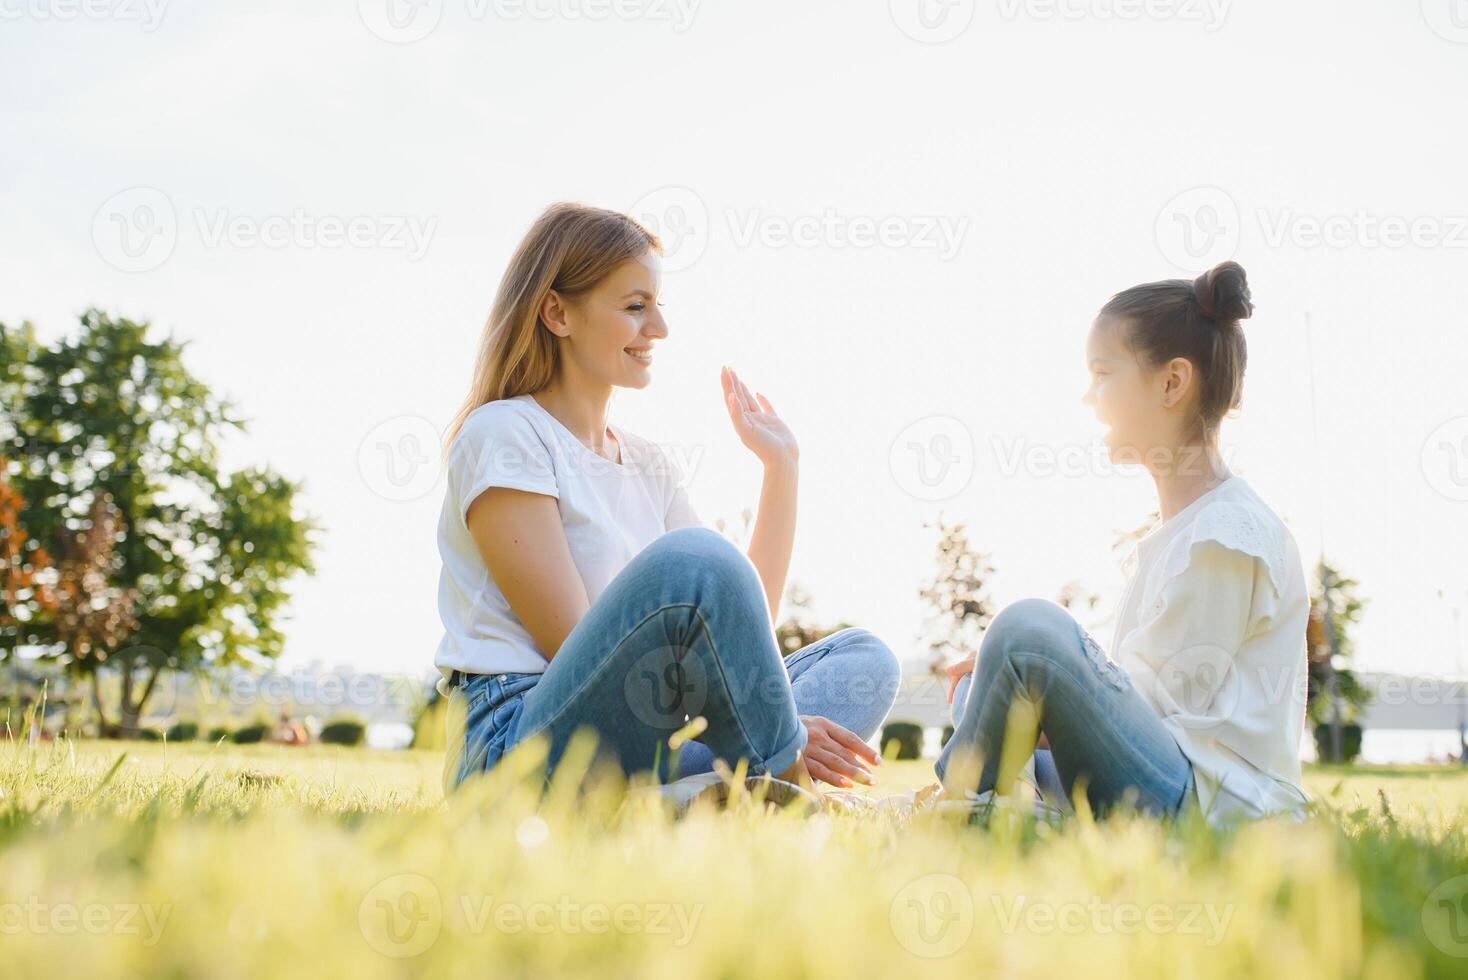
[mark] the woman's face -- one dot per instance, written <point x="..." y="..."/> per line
<point x="609" y="332"/>
<point x="1129" y="398"/>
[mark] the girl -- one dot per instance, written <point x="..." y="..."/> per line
<point x="1203" y="705"/>
<point x="578" y="589"/>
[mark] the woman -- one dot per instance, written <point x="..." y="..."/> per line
<point x="1204" y="703"/>
<point x="578" y="590"/>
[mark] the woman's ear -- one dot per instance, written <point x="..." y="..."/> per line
<point x="1177" y="381"/>
<point x="553" y="314"/>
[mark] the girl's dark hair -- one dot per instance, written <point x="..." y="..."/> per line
<point x="1194" y="319"/>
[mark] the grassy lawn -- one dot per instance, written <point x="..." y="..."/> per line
<point x="190" y="860"/>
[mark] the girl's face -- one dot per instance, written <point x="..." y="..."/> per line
<point x="609" y="332"/>
<point x="1133" y="401"/>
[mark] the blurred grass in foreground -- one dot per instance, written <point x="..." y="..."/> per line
<point x="230" y="861"/>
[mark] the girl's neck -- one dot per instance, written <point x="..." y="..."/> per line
<point x="1195" y="471"/>
<point x="581" y="408"/>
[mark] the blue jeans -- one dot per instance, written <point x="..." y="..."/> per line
<point x="682" y="631"/>
<point x="1100" y="730"/>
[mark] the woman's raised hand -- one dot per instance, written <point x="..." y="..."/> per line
<point x="761" y="430"/>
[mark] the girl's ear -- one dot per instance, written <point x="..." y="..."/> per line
<point x="553" y="314"/>
<point x="1177" y="381"/>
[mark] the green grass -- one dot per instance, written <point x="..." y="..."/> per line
<point x="259" y="861"/>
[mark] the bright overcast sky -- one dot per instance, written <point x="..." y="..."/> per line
<point x="896" y="220"/>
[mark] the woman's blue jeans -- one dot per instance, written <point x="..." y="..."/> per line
<point x="1101" y="732"/>
<point x="683" y="631"/>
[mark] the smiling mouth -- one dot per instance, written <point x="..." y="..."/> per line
<point x="643" y="356"/>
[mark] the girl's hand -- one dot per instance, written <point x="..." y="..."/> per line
<point x="762" y="431"/>
<point x="837" y="756"/>
<point x="965" y="666"/>
<point x="956" y="673"/>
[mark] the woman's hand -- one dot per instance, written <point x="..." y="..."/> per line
<point x="956" y="672"/>
<point x="761" y="430"/>
<point x="837" y="756"/>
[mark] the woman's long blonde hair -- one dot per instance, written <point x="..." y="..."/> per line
<point x="570" y="248"/>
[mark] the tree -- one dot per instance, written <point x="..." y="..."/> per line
<point x="110" y="414"/>
<point x="958" y="601"/>
<point x="23" y="596"/>
<point x="1329" y="652"/>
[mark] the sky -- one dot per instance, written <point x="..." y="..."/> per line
<point x="896" y="219"/>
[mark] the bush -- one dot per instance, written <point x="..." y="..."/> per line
<point x="252" y="733"/>
<point x="215" y="734"/>
<point x="1350" y="741"/>
<point x="343" y="731"/>
<point x="183" y="731"/>
<point x="909" y="739"/>
<point x="947" y="734"/>
<point x="148" y="735"/>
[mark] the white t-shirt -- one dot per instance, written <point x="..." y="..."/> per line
<point x="1212" y="633"/>
<point x="610" y="512"/>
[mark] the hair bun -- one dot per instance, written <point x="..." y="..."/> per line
<point x="1222" y="293"/>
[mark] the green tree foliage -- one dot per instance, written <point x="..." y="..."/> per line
<point x="108" y="413"/>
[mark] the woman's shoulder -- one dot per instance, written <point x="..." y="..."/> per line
<point x="1238" y="520"/>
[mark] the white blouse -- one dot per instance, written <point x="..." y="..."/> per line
<point x="1212" y="633"/>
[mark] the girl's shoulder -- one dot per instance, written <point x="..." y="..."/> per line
<point x="1237" y="519"/>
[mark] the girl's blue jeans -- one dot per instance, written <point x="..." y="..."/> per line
<point x="683" y="631"/>
<point x="1101" y="732"/>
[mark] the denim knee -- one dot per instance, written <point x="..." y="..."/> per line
<point x="868" y="664"/>
<point x="698" y="554"/>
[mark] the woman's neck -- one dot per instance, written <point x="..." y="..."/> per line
<point x="581" y="408"/>
<point x="1195" y="470"/>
